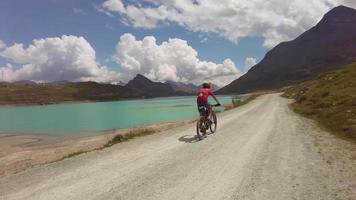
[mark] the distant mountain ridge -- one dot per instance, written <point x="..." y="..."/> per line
<point x="149" y="88"/>
<point x="25" y="82"/>
<point x="331" y="44"/>
<point x="61" y="82"/>
<point x="212" y="85"/>
<point x="42" y="94"/>
<point x="188" y="88"/>
<point x="26" y="92"/>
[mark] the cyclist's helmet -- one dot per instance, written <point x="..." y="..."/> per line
<point x="206" y="85"/>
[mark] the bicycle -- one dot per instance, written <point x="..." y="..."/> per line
<point x="205" y="122"/>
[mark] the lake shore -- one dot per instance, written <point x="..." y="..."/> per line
<point x="21" y="151"/>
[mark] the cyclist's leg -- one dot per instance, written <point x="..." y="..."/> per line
<point x="203" y="113"/>
<point x="208" y="108"/>
<point x="201" y="109"/>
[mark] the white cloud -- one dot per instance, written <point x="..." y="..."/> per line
<point x="2" y="44"/>
<point x="350" y="3"/>
<point x="108" y="26"/>
<point x="204" y="40"/>
<point x="249" y="62"/>
<point x="114" y="5"/>
<point x="78" y="11"/>
<point x="274" y="20"/>
<point x="103" y="10"/>
<point x="66" y="58"/>
<point x="172" y="60"/>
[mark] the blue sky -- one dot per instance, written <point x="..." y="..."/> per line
<point x="53" y="18"/>
<point x="233" y="30"/>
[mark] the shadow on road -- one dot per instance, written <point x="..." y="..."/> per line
<point x="189" y="139"/>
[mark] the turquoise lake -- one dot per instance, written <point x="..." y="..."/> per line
<point x="89" y="118"/>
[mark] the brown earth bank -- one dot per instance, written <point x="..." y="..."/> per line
<point x="21" y="151"/>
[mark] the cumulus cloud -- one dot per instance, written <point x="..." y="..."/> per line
<point x="58" y="58"/>
<point x="2" y="44"/>
<point x="273" y="20"/>
<point x="350" y="3"/>
<point x="114" y="5"/>
<point x="249" y="62"/>
<point x="78" y="11"/>
<point x="171" y="60"/>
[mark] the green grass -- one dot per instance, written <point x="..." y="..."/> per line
<point x="115" y="140"/>
<point x="132" y="134"/>
<point x="239" y="102"/>
<point x="330" y="99"/>
<point x="74" y="154"/>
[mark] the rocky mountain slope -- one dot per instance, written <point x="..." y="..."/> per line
<point x="329" y="45"/>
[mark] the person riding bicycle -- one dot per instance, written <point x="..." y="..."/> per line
<point x="203" y="97"/>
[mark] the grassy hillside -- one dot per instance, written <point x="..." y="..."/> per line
<point x="330" y="99"/>
<point x="25" y="94"/>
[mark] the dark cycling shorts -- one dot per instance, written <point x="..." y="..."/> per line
<point x="203" y="108"/>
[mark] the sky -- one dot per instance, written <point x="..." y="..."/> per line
<point x="180" y="40"/>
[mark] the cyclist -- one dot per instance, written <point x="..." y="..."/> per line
<point x="203" y="96"/>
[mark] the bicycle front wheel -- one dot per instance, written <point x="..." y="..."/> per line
<point x="214" y="123"/>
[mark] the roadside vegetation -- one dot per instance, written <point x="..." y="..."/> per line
<point x="236" y="102"/>
<point x="330" y="99"/>
<point x="119" y="138"/>
<point x="132" y="134"/>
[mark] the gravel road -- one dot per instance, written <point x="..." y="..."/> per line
<point x="260" y="151"/>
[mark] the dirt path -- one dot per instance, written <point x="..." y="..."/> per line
<point x="260" y="151"/>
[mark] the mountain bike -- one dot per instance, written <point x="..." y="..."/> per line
<point x="205" y="121"/>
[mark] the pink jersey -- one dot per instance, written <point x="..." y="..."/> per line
<point x="203" y="95"/>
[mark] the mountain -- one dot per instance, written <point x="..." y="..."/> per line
<point x="25" y="82"/>
<point x="149" y="88"/>
<point x="329" y="45"/>
<point x="212" y="85"/>
<point x="215" y="87"/>
<point x="61" y="82"/>
<point x="121" y="83"/>
<point x="94" y="91"/>
<point x="15" y="94"/>
<point x="188" y="88"/>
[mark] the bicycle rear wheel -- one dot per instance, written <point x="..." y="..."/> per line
<point x="214" y="123"/>
<point x="198" y="128"/>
